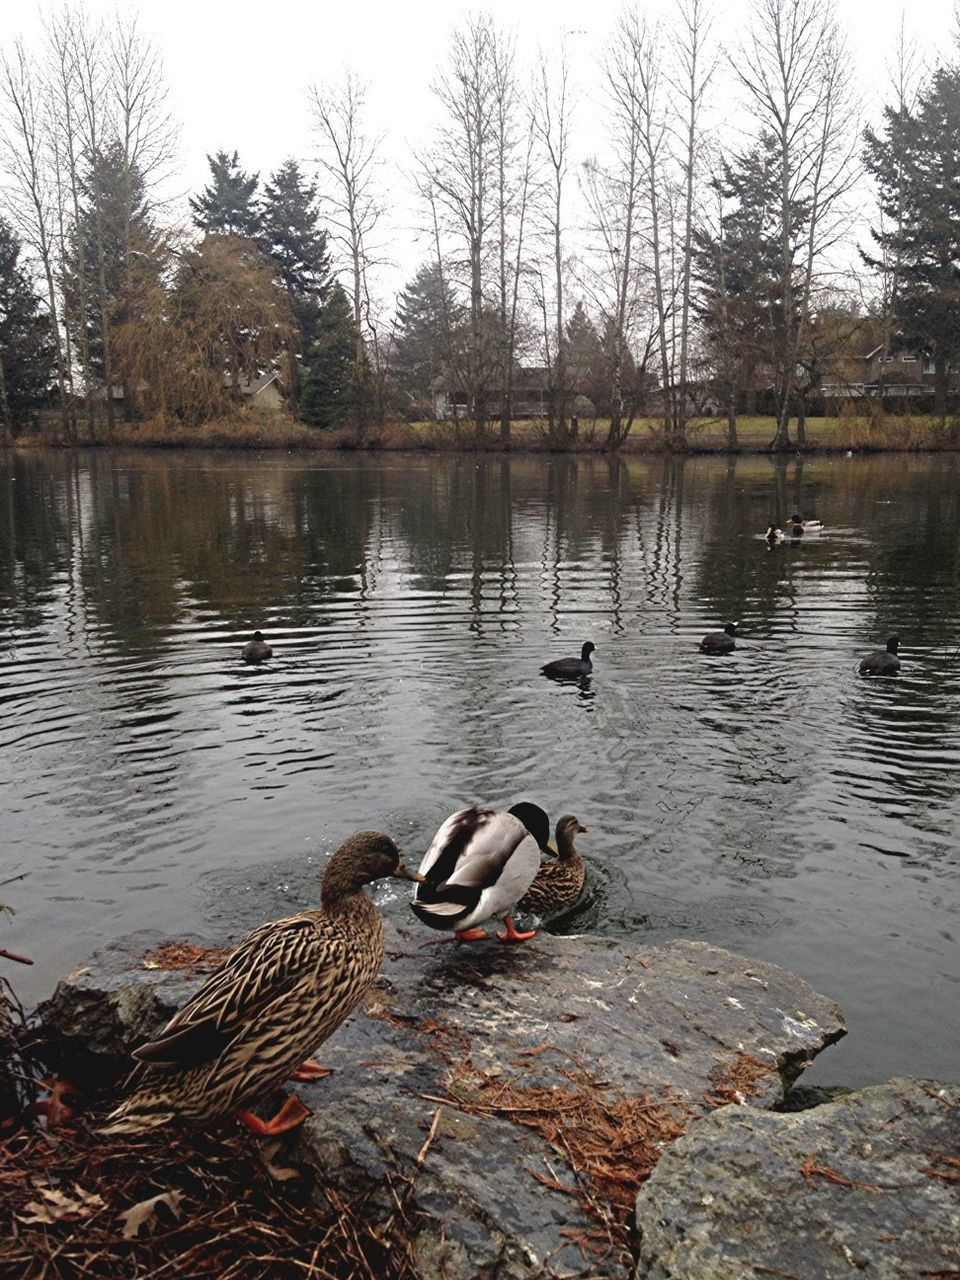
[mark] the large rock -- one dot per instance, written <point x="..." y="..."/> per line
<point x="597" y="1044"/>
<point x="855" y="1186"/>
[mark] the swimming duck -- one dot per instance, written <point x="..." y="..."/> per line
<point x="882" y="662"/>
<point x="774" y="532"/>
<point x="581" y="666"/>
<point x="799" y="527"/>
<point x="559" y="882"/>
<point x="720" y="641"/>
<point x="257" y="649"/>
<point x="279" y="995"/>
<point x="479" y="866"/>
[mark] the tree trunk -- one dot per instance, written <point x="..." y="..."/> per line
<point x="940" y="385"/>
<point x="732" y="442"/>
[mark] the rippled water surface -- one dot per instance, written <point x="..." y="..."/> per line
<point x="772" y="801"/>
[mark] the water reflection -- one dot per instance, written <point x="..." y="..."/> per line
<point x="771" y="801"/>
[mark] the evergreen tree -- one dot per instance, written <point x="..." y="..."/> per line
<point x="585" y="362"/>
<point x="227" y="206"/>
<point x="916" y="163"/>
<point x="329" y="396"/>
<point x="430" y="334"/>
<point x="292" y="238"/>
<point x="27" y="351"/>
<point x="735" y="271"/>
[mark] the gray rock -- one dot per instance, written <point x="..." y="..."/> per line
<point x="685" y="1025"/>
<point x="730" y="1200"/>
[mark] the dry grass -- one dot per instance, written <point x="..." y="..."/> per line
<point x="225" y="1210"/>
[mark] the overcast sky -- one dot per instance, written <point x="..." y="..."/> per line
<point x="238" y="71"/>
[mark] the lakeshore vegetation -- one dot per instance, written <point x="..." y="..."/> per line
<point x="688" y="283"/>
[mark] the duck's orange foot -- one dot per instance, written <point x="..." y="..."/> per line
<point x="470" y="935"/>
<point x="511" y="934"/>
<point x="291" y="1114"/>
<point x="54" y="1110"/>
<point x="311" y="1070"/>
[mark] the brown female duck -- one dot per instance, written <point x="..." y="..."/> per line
<point x="283" y="991"/>
<point x="559" y="882"/>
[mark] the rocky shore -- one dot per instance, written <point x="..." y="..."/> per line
<point x="584" y="1106"/>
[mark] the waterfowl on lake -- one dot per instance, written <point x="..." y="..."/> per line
<point x="559" y="882"/>
<point x="799" y="527"/>
<point x="774" y="532"/>
<point x="480" y="864"/>
<point x="279" y="995"/>
<point x="257" y="649"/>
<point x="581" y="666"/>
<point x="882" y="662"/>
<point x="720" y="641"/>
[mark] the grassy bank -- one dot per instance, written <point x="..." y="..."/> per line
<point x="247" y="430"/>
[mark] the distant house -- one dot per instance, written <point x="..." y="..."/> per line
<point x="266" y="392"/>
<point x="530" y="395"/>
<point x="878" y="372"/>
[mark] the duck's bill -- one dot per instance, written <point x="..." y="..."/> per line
<point x="551" y="849"/>
<point x="404" y="873"/>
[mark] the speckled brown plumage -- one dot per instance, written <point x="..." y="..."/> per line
<point x="559" y="882"/>
<point x="283" y="991"/>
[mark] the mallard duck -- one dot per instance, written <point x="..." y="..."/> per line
<point x="720" y="641"/>
<point x="799" y="527"/>
<point x="480" y="864"/>
<point x="257" y="649"/>
<point x="882" y="662"/>
<point x="581" y="666"/>
<point x="559" y="882"/>
<point x="279" y="995"/>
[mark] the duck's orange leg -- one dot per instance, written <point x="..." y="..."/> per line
<point x="54" y="1109"/>
<point x="469" y="935"/>
<point x="310" y="1070"/>
<point x="291" y="1114"/>
<point x="512" y="934"/>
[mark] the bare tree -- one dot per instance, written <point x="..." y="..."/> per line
<point x="614" y="193"/>
<point x="460" y="175"/>
<point x="350" y="157"/>
<point x="66" y="147"/>
<point x="690" y="79"/>
<point x="551" y="128"/>
<point x="794" y="67"/>
<point x="30" y="199"/>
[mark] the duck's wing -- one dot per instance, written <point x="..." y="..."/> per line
<point x="264" y="968"/>
<point x="452" y="842"/>
<point x="494" y="840"/>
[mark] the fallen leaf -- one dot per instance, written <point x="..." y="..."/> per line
<point x="279" y="1172"/>
<point x="144" y="1214"/>
<point x="57" y="1206"/>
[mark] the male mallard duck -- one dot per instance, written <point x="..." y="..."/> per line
<point x="257" y="649"/>
<point x="799" y="527"/>
<point x="581" y="666"/>
<point x="479" y="866"/>
<point x="720" y="641"/>
<point x="882" y="662"/>
<point x="281" y="993"/>
<point x="559" y="882"/>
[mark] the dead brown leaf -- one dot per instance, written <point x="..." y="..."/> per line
<point x="144" y="1214"/>
<point x="57" y="1206"/>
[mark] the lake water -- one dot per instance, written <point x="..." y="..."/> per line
<point x="771" y="802"/>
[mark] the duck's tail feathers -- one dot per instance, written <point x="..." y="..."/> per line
<point x="138" y="1114"/>
<point x="439" y="915"/>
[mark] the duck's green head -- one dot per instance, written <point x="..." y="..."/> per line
<point x="536" y="822"/>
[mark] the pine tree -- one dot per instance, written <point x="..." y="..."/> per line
<point x="586" y="366"/>
<point x="227" y="206"/>
<point x="329" y="396"/>
<point x="27" y="351"/>
<point x="735" y="272"/>
<point x="127" y="227"/>
<point x="429" y="334"/>
<point x="292" y="237"/>
<point x="916" y="163"/>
